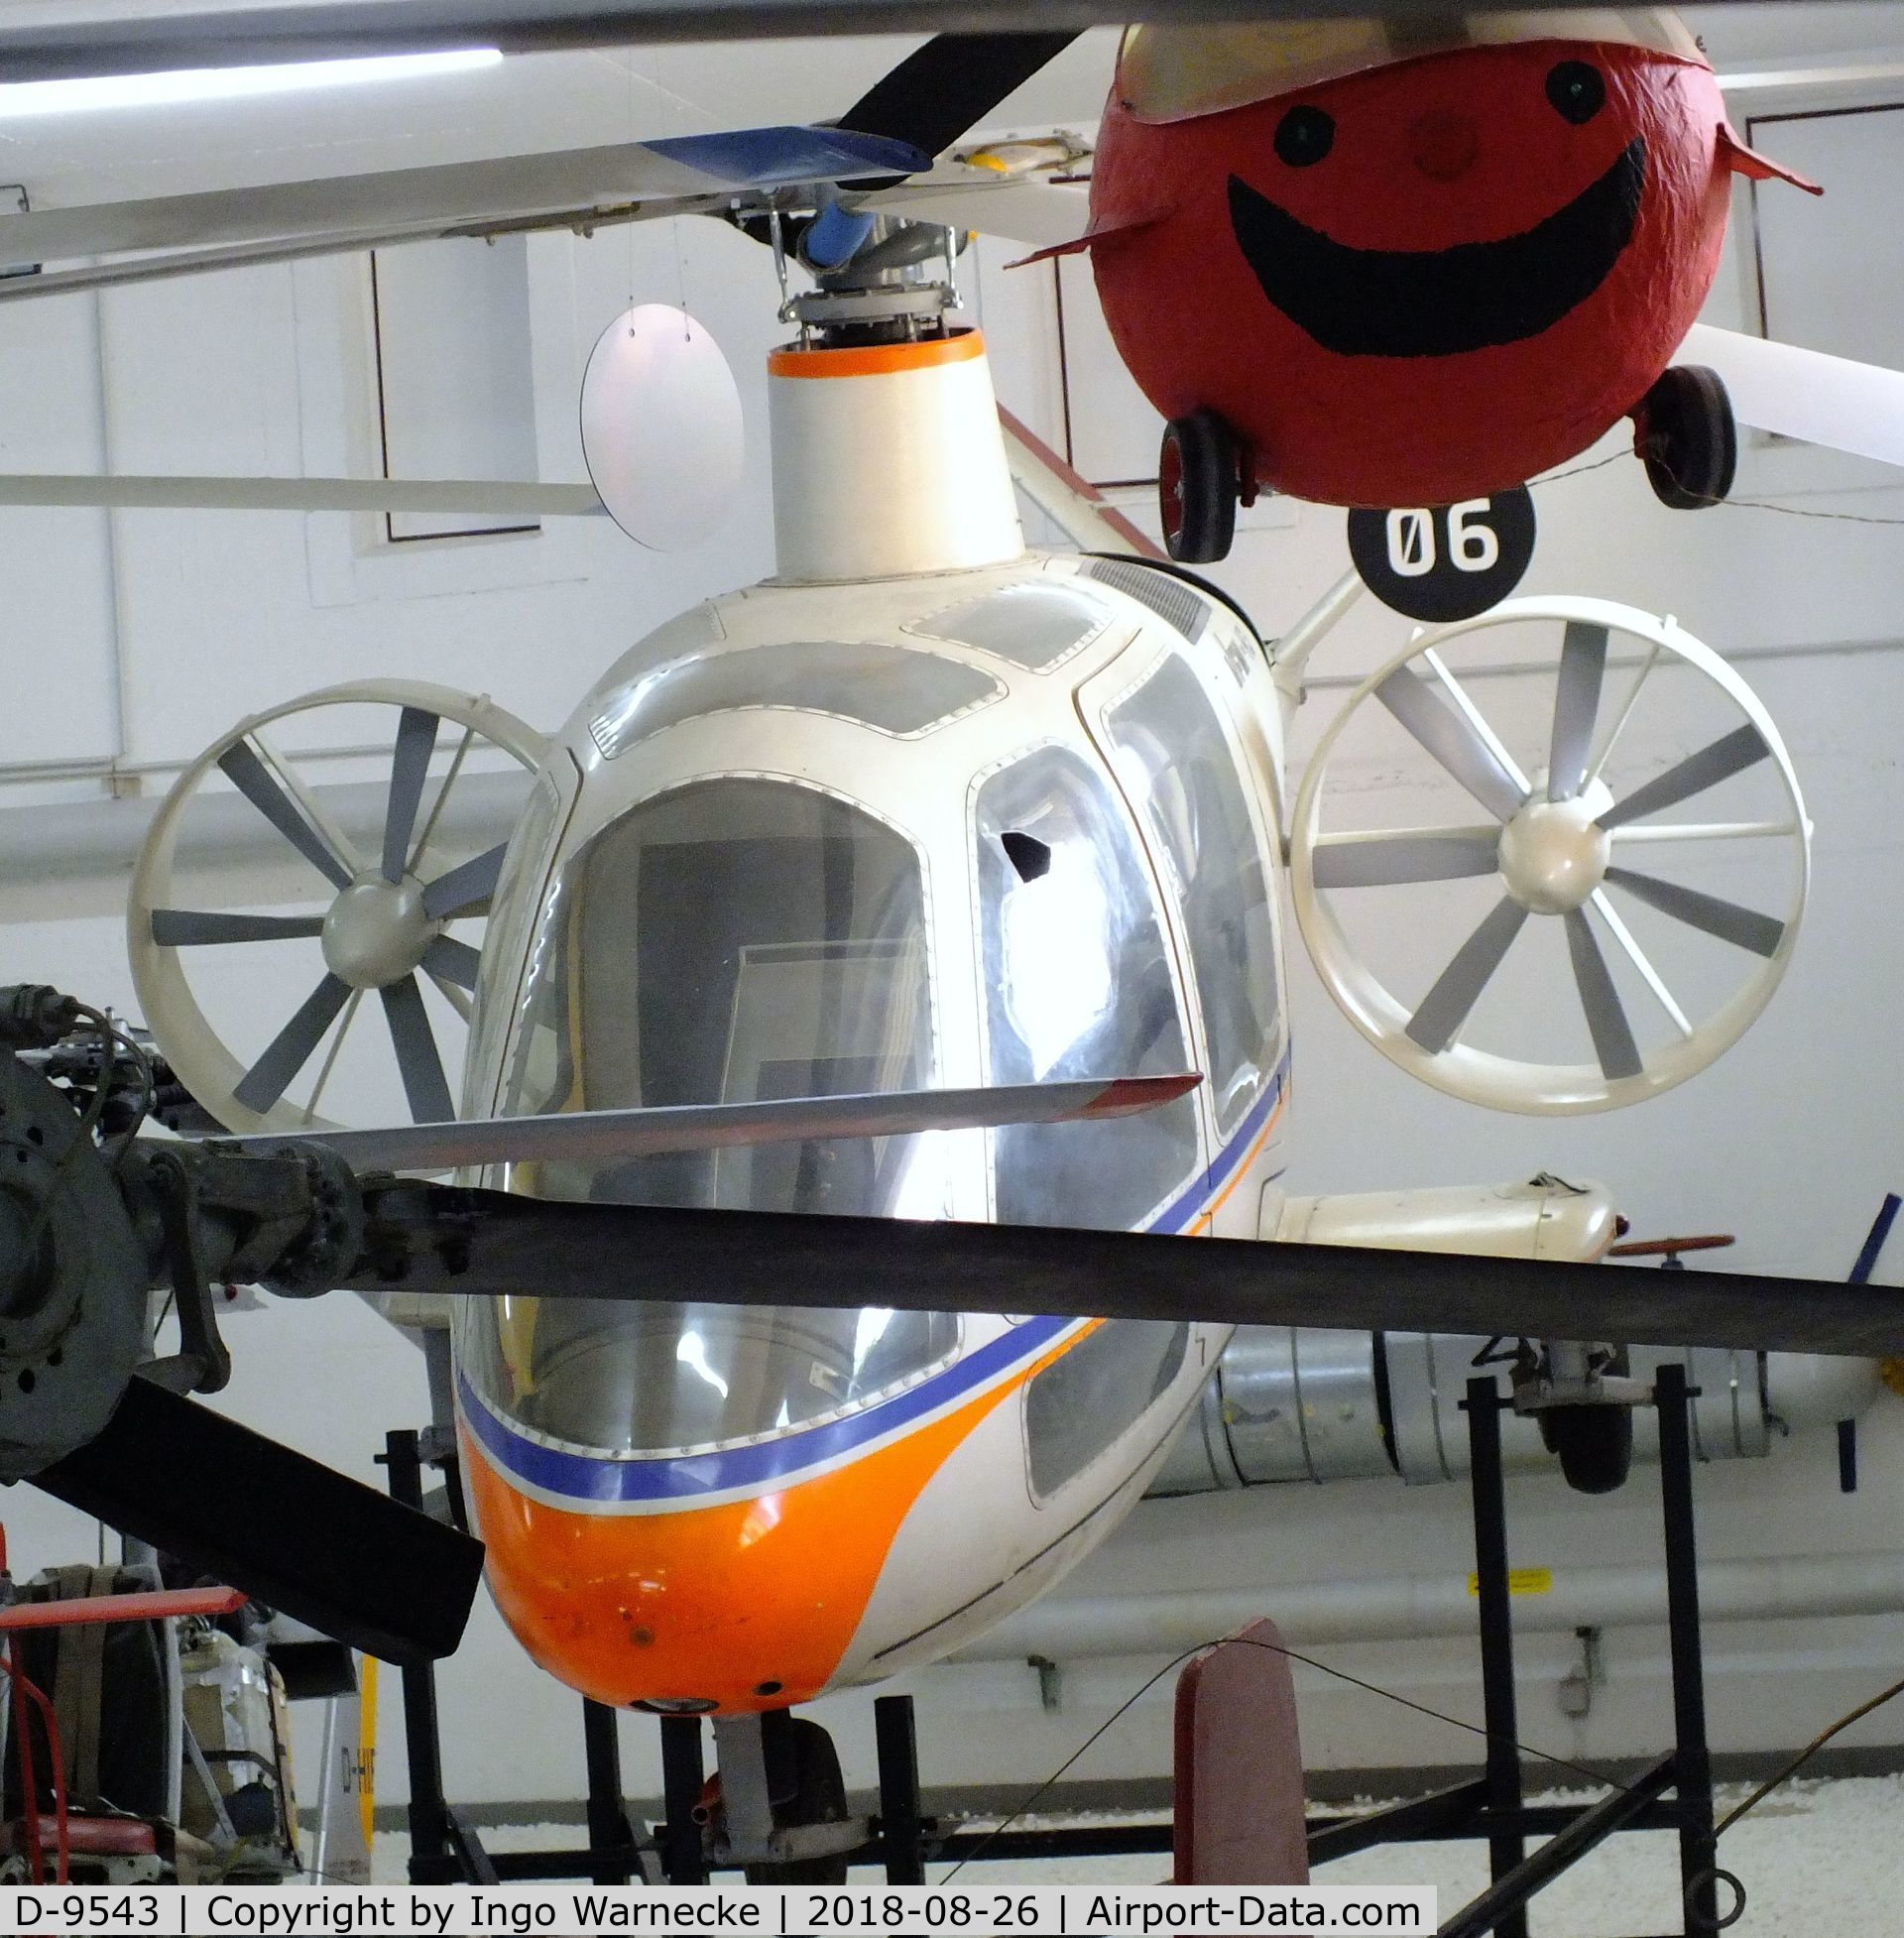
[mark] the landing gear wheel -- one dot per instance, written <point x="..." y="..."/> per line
<point x="1594" y="1445"/>
<point x="809" y="1765"/>
<point x="1197" y="487"/>
<point x="397" y="890"/>
<point x="1689" y="439"/>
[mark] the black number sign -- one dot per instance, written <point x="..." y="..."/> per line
<point x="1445" y="562"/>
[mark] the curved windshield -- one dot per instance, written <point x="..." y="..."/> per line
<point x="1078" y="984"/>
<point x="731" y="941"/>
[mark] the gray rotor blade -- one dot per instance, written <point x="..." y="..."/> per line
<point x="1446" y="1007"/>
<point x="291" y="1049"/>
<point x="417" y="1058"/>
<point x="184" y="928"/>
<point x="1398" y="858"/>
<point x="1583" y="671"/>
<point x="408" y="767"/>
<point x="1733" y="754"/>
<point x="456" y="962"/>
<point x="249" y="775"/>
<point x="1605" y="1016"/>
<point x="1452" y="741"/>
<point x="604" y="1135"/>
<point x="439" y="1237"/>
<point x="464" y="888"/>
<point x="1744" y="928"/>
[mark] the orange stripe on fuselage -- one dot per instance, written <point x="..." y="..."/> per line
<point x="1204" y="1219"/>
<point x="716" y="1603"/>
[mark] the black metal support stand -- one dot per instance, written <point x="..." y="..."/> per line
<point x="901" y="1827"/>
<point x="610" y="1834"/>
<point x="1692" y="1758"/>
<point x="1506" y="1846"/>
<point x="682" y="1775"/>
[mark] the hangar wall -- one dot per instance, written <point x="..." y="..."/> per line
<point x="145" y="633"/>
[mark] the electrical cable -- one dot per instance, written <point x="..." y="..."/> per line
<point x="1731" y="504"/>
<point x="1308" y="1662"/>
<point x="1805" y="1756"/>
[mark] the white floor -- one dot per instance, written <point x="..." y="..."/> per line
<point x="1818" y="1860"/>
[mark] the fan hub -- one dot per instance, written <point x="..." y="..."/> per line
<point x="376" y="931"/>
<point x="1554" y="855"/>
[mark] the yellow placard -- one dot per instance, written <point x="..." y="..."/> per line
<point x="1520" y="1580"/>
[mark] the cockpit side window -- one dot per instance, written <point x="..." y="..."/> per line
<point x="1170" y="752"/>
<point x="733" y="940"/>
<point x="1078" y="984"/>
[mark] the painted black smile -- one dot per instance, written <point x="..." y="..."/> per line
<point x="1397" y="302"/>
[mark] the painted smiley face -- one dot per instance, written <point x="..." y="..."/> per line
<point x="1423" y="282"/>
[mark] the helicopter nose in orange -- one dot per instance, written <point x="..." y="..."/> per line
<point x="1443" y="144"/>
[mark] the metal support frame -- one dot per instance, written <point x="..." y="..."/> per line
<point x="1675" y="1794"/>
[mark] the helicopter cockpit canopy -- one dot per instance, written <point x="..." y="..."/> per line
<point x="1175" y="74"/>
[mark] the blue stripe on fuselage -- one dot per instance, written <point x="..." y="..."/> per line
<point x="606" y="1479"/>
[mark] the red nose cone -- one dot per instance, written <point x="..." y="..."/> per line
<point x="1443" y="144"/>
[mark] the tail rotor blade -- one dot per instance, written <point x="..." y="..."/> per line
<point x="289" y="1531"/>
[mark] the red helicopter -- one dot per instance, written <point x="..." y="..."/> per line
<point x="1372" y="262"/>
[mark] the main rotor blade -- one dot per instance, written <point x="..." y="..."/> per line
<point x="1389" y="860"/>
<point x="608" y="1136"/>
<point x="1825" y="400"/>
<point x="1583" y="669"/>
<point x="439" y="1237"/>
<point x="418" y="1061"/>
<point x="1446" y="1007"/>
<point x="249" y="775"/>
<point x="408" y="767"/>
<point x="949" y="86"/>
<point x="285" y="1528"/>
<point x="291" y="1049"/>
<point x="1731" y="754"/>
<point x="184" y="928"/>
<point x="1453" y="742"/>
<point x="1744" y="928"/>
<point x="1613" y="1035"/>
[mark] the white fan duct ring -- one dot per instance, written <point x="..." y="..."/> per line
<point x="662" y="426"/>
<point x="1558" y="842"/>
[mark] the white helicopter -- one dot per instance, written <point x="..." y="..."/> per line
<point x="928" y="811"/>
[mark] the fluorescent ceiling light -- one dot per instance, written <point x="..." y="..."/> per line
<point x="188" y="84"/>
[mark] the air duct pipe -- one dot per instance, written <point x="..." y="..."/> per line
<point x="1409" y="1608"/>
<point x="1295" y="1403"/>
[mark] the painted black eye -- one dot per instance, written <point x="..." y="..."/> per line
<point x="1304" y="136"/>
<point x="1577" y="90"/>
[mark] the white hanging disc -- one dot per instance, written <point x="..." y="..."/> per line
<point x="662" y="426"/>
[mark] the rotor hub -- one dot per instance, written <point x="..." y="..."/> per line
<point x="1554" y="855"/>
<point x="376" y="931"/>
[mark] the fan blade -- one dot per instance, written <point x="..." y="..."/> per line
<point x="1583" y="669"/>
<point x="1606" y="1015"/>
<point x="408" y="767"/>
<point x="950" y="85"/>
<point x="1793" y="393"/>
<point x="1731" y="754"/>
<point x="606" y="1136"/>
<point x="249" y="775"/>
<point x="439" y="1237"/>
<point x="426" y="1087"/>
<point x="455" y="962"/>
<point x="1391" y="858"/>
<point x="1744" y="928"/>
<point x="285" y="1528"/>
<point x="1446" y="1007"/>
<point x="1452" y="741"/>
<point x="291" y="1049"/>
<point x="466" y="888"/>
<point x="184" y="928"/>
